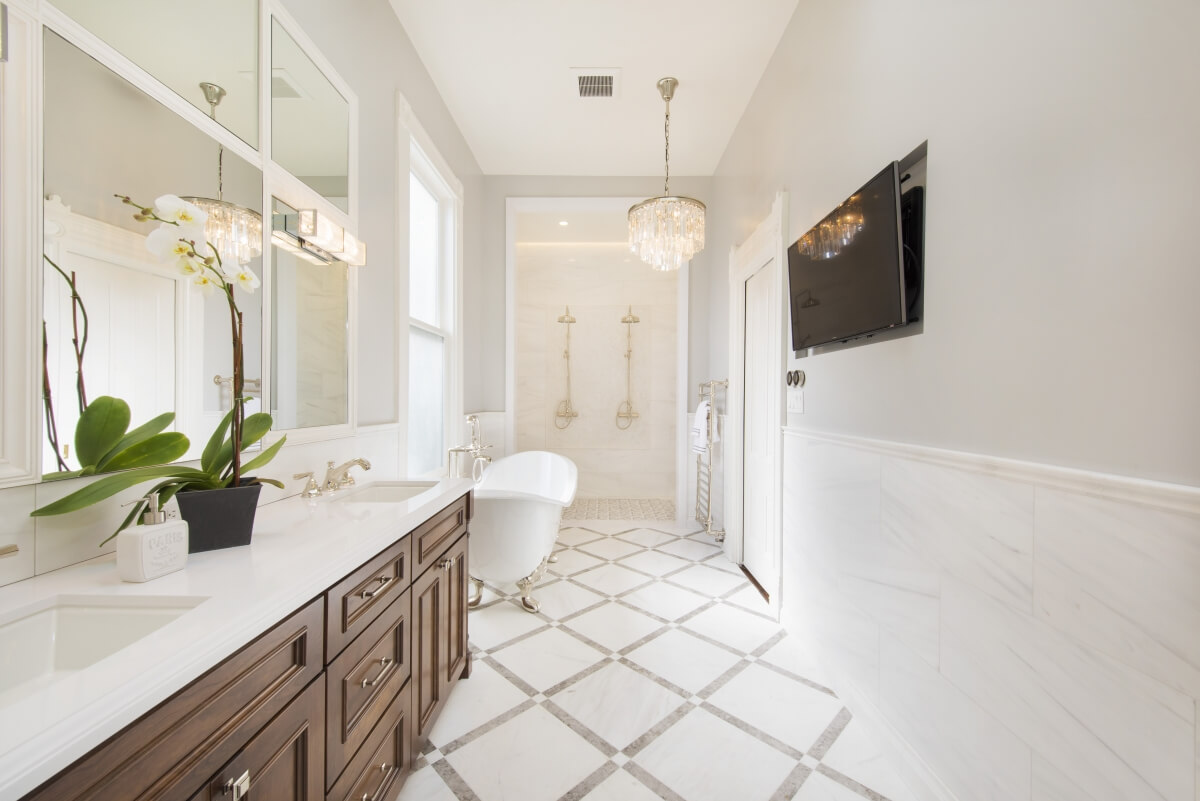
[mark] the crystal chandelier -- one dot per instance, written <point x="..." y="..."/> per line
<point x="235" y="231"/>
<point x="667" y="231"/>
<point x="828" y="237"/>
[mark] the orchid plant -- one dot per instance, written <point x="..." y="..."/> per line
<point x="181" y="227"/>
<point x="140" y="452"/>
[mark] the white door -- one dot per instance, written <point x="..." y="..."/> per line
<point x="760" y="537"/>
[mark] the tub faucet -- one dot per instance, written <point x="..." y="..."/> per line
<point x="339" y="477"/>
<point x="473" y="422"/>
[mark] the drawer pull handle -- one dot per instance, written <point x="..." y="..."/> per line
<point x="447" y="564"/>
<point x="383" y="783"/>
<point x="385" y="665"/>
<point x="383" y="582"/>
<point x="240" y="786"/>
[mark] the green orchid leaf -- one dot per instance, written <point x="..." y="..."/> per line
<point x="111" y="485"/>
<point x="154" y="450"/>
<point x="101" y="426"/>
<point x="60" y="475"/>
<point x="88" y="470"/>
<point x="213" y="448"/>
<point x="272" y="482"/>
<point x="255" y="427"/>
<point x="264" y="457"/>
<point x="142" y="432"/>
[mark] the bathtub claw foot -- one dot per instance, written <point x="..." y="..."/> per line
<point x="476" y="593"/>
<point x="526" y="586"/>
<point x="530" y="604"/>
<point x="552" y="559"/>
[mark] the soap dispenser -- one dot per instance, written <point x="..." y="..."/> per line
<point x="155" y="548"/>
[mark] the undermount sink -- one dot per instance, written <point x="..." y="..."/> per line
<point x="48" y="641"/>
<point x="386" y="492"/>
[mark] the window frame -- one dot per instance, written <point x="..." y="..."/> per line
<point x="426" y="165"/>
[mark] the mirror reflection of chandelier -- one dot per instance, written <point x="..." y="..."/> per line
<point x="835" y="232"/>
<point x="235" y="231"/>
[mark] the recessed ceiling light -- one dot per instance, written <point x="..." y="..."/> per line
<point x="562" y="222"/>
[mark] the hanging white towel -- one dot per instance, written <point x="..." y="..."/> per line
<point x="700" y="428"/>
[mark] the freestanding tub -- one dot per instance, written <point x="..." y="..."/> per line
<point x="518" y="505"/>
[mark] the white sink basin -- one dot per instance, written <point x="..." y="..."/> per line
<point x="55" y="638"/>
<point x="386" y="492"/>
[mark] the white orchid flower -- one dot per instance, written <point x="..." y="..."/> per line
<point x="245" y="278"/>
<point x="190" y="265"/>
<point x="165" y="243"/>
<point x="205" y="282"/>
<point x="174" y="209"/>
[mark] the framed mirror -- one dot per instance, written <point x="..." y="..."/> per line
<point x="310" y="121"/>
<point x="310" y="313"/>
<point x="154" y="338"/>
<point x="220" y="38"/>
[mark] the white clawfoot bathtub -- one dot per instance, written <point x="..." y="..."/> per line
<point x="518" y="506"/>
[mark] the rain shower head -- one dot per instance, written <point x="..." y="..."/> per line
<point x="566" y="318"/>
<point x="631" y="317"/>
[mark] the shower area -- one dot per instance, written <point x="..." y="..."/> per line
<point x="596" y="350"/>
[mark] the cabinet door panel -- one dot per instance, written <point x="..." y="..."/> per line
<point x="284" y="761"/>
<point x="429" y="642"/>
<point x="432" y="538"/>
<point x="457" y="588"/>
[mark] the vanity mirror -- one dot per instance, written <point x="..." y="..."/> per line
<point x="310" y="121"/>
<point x="153" y="338"/>
<point x="220" y="38"/>
<point x="309" y="320"/>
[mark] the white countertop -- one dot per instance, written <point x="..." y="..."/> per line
<point x="300" y="548"/>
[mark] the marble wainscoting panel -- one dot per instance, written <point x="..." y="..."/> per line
<point x="1113" y="731"/>
<point x="971" y="751"/>
<point x="17" y="528"/>
<point x="977" y="527"/>
<point x="1124" y="579"/>
<point x="634" y="484"/>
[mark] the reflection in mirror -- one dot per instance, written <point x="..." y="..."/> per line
<point x="309" y="314"/>
<point x="310" y="121"/>
<point x="220" y="36"/>
<point x="154" y="339"/>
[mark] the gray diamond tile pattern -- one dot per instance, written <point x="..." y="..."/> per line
<point x="658" y="674"/>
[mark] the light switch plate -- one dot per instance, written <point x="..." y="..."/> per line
<point x="795" y="401"/>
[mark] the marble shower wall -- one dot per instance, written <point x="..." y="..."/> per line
<point x="1025" y="632"/>
<point x="599" y="282"/>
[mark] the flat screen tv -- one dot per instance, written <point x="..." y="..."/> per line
<point x="846" y="275"/>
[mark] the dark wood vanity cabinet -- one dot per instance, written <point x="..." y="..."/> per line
<point x="332" y="704"/>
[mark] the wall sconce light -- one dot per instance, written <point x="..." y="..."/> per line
<point x="331" y="237"/>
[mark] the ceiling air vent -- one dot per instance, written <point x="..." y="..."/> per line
<point x="597" y="82"/>
<point x="595" y="85"/>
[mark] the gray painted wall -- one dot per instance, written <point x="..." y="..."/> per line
<point x="484" y="291"/>
<point x="370" y="50"/>
<point x="1061" y="259"/>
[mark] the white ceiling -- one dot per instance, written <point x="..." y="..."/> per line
<point x="503" y="69"/>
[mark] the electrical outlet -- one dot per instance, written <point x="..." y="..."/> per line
<point x="795" y="401"/>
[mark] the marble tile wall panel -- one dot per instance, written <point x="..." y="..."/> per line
<point x="17" y="528"/>
<point x="1049" y="783"/>
<point x="1123" y="578"/>
<point x="1115" y="732"/>
<point x="972" y="752"/>
<point x="978" y="528"/>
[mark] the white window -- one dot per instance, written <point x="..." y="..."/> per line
<point x="433" y="325"/>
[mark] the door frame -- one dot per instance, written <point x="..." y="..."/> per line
<point x="768" y="242"/>
<point x="514" y="205"/>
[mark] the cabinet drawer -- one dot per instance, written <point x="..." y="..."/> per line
<point x="362" y="682"/>
<point x="383" y="762"/>
<point x="179" y="745"/>
<point x="359" y="598"/>
<point x="436" y="535"/>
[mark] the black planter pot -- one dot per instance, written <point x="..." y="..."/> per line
<point x="220" y="518"/>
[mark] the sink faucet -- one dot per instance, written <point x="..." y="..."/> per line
<point x="339" y="477"/>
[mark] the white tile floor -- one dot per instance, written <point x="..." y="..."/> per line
<point x="652" y="672"/>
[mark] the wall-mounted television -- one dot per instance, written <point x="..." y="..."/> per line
<point x="846" y="275"/>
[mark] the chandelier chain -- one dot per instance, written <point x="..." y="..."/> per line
<point x="667" y="150"/>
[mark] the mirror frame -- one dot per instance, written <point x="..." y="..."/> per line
<point x="21" y="224"/>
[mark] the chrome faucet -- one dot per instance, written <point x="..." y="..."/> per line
<point x="473" y="422"/>
<point x="339" y="477"/>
